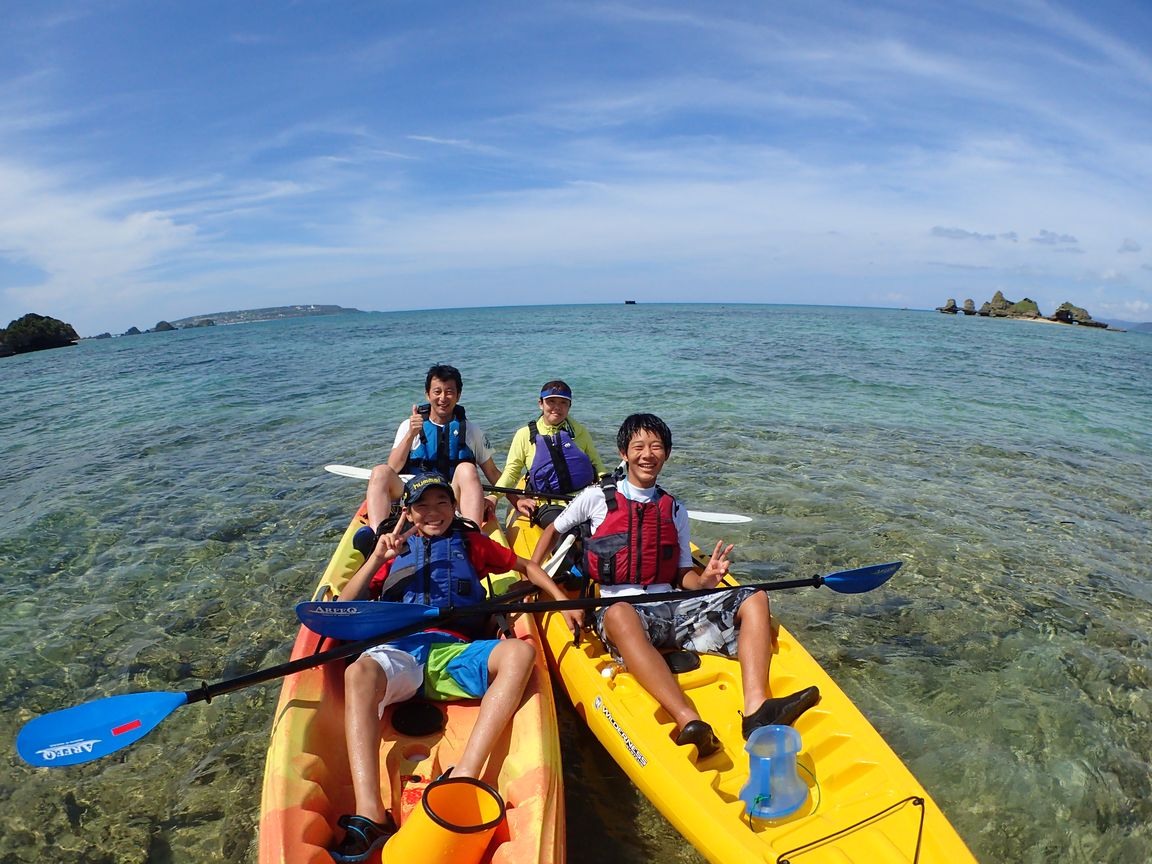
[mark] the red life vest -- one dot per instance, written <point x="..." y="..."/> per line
<point x="636" y="543"/>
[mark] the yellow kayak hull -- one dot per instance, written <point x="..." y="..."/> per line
<point x="307" y="786"/>
<point x="863" y="804"/>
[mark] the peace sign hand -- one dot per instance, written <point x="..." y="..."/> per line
<point x="717" y="567"/>
<point x="389" y="545"/>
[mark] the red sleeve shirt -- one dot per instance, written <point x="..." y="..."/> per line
<point x="487" y="556"/>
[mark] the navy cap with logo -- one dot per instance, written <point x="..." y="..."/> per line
<point x="415" y="488"/>
<point x="562" y="391"/>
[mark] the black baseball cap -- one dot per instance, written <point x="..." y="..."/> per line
<point x="421" y="483"/>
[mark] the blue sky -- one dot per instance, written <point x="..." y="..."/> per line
<point x="162" y="159"/>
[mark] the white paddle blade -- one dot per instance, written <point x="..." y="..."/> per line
<point x="699" y="515"/>
<point x="349" y="471"/>
<point x="718" y="518"/>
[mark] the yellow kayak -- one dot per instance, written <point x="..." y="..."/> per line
<point x="307" y="786"/>
<point x="862" y="804"/>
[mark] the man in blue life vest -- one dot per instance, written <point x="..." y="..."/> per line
<point x="442" y="561"/>
<point x="553" y="453"/>
<point x="438" y="436"/>
<point x="637" y="541"/>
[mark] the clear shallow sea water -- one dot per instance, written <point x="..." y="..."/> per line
<point x="163" y="506"/>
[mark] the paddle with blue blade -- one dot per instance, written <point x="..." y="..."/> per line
<point x="95" y="729"/>
<point x="90" y="731"/>
<point x="362" y="619"/>
<point x="369" y="617"/>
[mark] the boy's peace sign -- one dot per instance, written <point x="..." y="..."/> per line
<point x="391" y="544"/>
<point x="717" y="567"/>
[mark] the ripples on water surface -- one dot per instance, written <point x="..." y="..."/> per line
<point x="163" y="506"/>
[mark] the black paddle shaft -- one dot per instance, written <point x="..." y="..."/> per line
<point x="206" y="692"/>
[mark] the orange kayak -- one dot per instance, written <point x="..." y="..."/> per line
<point x="307" y="786"/>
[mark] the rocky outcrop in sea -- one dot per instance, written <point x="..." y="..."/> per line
<point x="34" y="332"/>
<point x="1001" y="307"/>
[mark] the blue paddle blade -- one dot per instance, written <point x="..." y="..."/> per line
<point x="94" y="729"/>
<point x="861" y="579"/>
<point x="361" y="619"/>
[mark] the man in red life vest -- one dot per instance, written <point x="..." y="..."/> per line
<point x="639" y="542"/>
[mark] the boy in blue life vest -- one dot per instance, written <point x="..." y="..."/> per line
<point x="438" y="437"/>
<point x="441" y="560"/>
<point x="553" y="453"/>
<point x="638" y="542"/>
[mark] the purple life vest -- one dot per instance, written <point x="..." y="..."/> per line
<point x="558" y="465"/>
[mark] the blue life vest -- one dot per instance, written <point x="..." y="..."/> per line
<point x="438" y="571"/>
<point x="434" y="454"/>
<point x="558" y="464"/>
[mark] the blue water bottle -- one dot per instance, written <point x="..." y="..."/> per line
<point x="774" y="787"/>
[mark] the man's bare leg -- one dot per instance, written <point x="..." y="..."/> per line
<point x="384" y="487"/>
<point x="469" y="492"/>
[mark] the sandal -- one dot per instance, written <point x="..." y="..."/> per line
<point x="362" y="837"/>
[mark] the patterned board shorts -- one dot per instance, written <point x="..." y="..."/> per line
<point x="706" y="625"/>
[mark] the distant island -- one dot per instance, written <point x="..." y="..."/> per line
<point x="1001" y="307"/>
<point x="39" y="332"/>
<point x="271" y="313"/>
<point x="240" y="316"/>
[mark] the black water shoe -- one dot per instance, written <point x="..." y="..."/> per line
<point x="699" y="733"/>
<point x="783" y="711"/>
<point x="362" y="837"/>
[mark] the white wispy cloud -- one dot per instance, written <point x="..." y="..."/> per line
<point x="889" y="151"/>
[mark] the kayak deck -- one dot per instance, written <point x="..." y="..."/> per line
<point x="863" y="804"/>
<point x="307" y="785"/>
